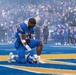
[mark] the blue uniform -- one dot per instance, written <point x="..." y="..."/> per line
<point x="23" y="29"/>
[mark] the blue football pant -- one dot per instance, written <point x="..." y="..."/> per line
<point x="21" y="51"/>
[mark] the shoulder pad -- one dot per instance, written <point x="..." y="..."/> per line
<point x="19" y="28"/>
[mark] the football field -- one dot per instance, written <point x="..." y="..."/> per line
<point x="60" y="60"/>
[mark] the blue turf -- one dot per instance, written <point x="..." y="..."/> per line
<point x="10" y="71"/>
<point x="65" y="60"/>
<point x="47" y="49"/>
<point x="55" y="66"/>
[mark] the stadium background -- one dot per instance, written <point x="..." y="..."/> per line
<point x="60" y="14"/>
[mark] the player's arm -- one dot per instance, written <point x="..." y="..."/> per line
<point x="22" y="37"/>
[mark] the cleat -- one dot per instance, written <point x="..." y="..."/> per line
<point x="39" y="61"/>
<point x="10" y="57"/>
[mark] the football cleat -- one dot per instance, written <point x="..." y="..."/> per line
<point x="10" y="57"/>
<point x="38" y="59"/>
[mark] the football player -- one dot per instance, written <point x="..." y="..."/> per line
<point x="25" y="42"/>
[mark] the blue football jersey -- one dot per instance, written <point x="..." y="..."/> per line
<point x="22" y="28"/>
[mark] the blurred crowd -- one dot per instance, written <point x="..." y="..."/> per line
<point x="64" y="35"/>
<point x="61" y="14"/>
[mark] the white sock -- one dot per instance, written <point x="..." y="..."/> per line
<point x="36" y="56"/>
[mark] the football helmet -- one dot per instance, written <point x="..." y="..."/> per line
<point x="31" y="59"/>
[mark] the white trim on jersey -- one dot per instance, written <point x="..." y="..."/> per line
<point x="19" y="28"/>
<point x="26" y="22"/>
<point x="26" y="46"/>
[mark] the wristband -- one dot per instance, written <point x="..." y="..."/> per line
<point x="23" y="41"/>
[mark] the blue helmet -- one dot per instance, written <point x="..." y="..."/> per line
<point x="31" y="59"/>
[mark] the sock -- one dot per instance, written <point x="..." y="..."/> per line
<point x="37" y="56"/>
